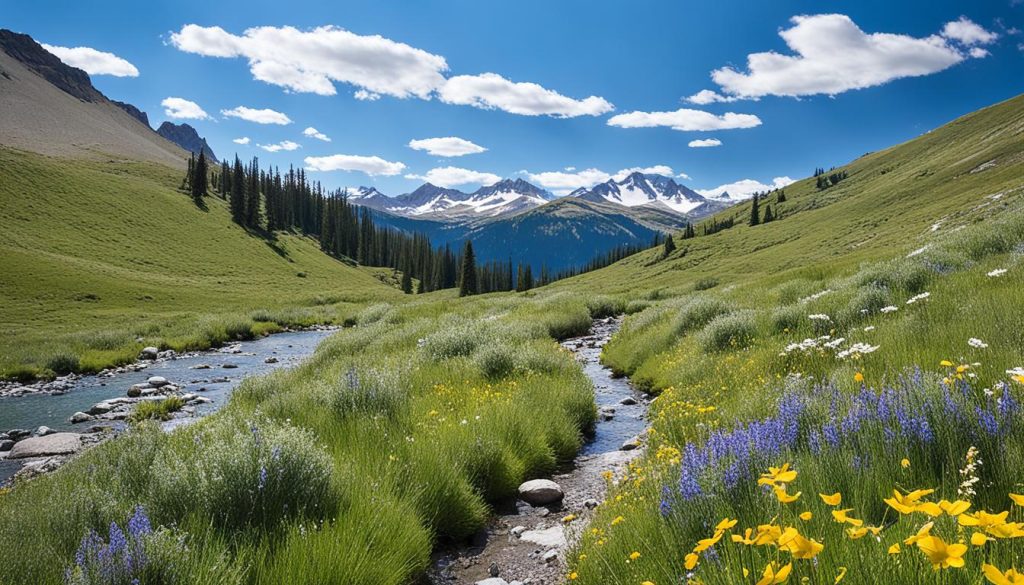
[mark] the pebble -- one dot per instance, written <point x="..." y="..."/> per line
<point x="628" y="401"/>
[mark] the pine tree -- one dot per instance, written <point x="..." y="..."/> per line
<point x="768" y="214"/>
<point x="198" y="182"/>
<point x="669" y="247"/>
<point x="237" y="201"/>
<point x="406" y="282"/>
<point x="468" y="278"/>
<point x="781" y="198"/>
<point x="755" y="215"/>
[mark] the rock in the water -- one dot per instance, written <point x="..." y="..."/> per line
<point x="229" y="366"/>
<point x="6" y="445"/>
<point x="149" y="353"/>
<point x="538" y="492"/>
<point x="101" y="408"/>
<point x="628" y="401"/>
<point x="630" y="444"/>
<point x="136" y="390"/>
<point x="55" y="444"/>
<point x="270" y="360"/>
<point x="79" y="417"/>
<point x="18" y="434"/>
<point x="553" y="537"/>
<point x="42" y="431"/>
<point x="157" y="381"/>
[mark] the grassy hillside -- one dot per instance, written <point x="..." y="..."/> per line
<point x="872" y="340"/>
<point x="888" y="204"/>
<point x="98" y="254"/>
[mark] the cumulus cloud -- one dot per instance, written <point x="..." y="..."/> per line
<point x="447" y="146"/>
<point x="243" y="140"/>
<point x="831" y="54"/>
<point x="562" y="182"/>
<point x="743" y="189"/>
<point x="705" y="143"/>
<point x="685" y="120"/>
<point x="967" y="32"/>
<point x="453" y="176"/>
<point x="492" y="91"/>
<point x="312" y="61"/>
<point x="707" y="96"/>
<point x="264" y="116"/>
<point x="283" y="145"/>
<point x="183" y="109"/>
<point x="312" y="132"/>
<point x="371" y="165"/>
<point x="92" y="61"/>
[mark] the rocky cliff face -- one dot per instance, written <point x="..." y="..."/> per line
<point x="133" y="111"/>
<point x="37" y="59"/>
<point x="186" y="137"/>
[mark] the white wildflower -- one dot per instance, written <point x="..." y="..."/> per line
<point x="997" y="272"/>
<point x="918" y="251"/>
<point x="869" y="328"/>
<point x="857" y="350"/>
<point x="976" y="343"/>
<point x="889" y="309"/>
<point x="815" y="296"/>
<point x="819" y="317"/>
<point x="919" y="297"/>
<point x="835" y="343"/>
<point x="969" y="474"/>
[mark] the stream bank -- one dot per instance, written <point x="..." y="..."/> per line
<point x="527" y="544"/>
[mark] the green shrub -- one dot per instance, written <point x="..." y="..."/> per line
<point x="157" y="409"/>
<point x="705" y="284"/>
<point x="733" y="331"/>
<point x="240" y="474"/>
<point x="63" y="362"/>
<point x="698" y="311"/>
<point x="788" y="318"/>
<point x="459" y="338"/>
<point x="903" y="274"/>
<point x="867" y="300"/>
<point x="600" y="307"/>
<point x="369" y="392"/>
<point x="633" y="307"/>
<point x="495" y="360"/>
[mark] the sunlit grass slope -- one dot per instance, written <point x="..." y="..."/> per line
<point x="96" y="254"/>
<point x="872" y="340"/>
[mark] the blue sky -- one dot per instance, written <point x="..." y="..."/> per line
<point x="608" y="81"/>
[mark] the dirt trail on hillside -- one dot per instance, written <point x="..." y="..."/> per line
<point x="524" y="544"/>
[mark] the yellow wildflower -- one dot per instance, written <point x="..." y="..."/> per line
<point x="690" y="561"/>
<point x="634" y="555"/>
<point x="618" y="520"/>
<point x="833" y="500"/>
<point x="855" y="533"/>
<point x="773" y="574"/>
<point x="894" y="549"/>
<point x="994" y="575"/>
<point x="940" y="554"/>
<point x="569" y="518"/>
<point x="954" y="508"/>
<point x="839" y="577"/>
<point x="785" y="498"/>
<point x="800" y="547"/>
<point x="777" y="475"/>
<point x="806" y="516"/>
<point x="924" y="532"/>
<point x="905" y="463"/>
<point x="980" y="538"/>
<point x="841" y="517"/>
<point x="858" y="377"/>
<point x="1017" y="499"/>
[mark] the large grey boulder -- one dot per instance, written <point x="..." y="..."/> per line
<point x="149" y="353"/>
<point x="540" y="492"/>
<point x="157" y="381"/>
<point x="55" y="444"/>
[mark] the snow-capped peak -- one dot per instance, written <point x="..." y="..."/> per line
<point x="644" y="189"/>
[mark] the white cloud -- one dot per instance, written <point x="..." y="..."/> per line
<point x="453" y="176"/>
<point x="314" y="133"/>
<point x="685" y="120"/>
<point x="366" y="96"/>
<point x="243" y="140"/>
<point x="743" y="189"/>
<point x="312" y="61"/>
<point x="283" y="145"/>
<point x="562" y="182"/>
<point x="831" y="54"/>
<point x="264" y="116"/>
<point x="967" y="32"/>
<point x="447" y="146"/>
<point x="371" y="165"/>
<point x="92" y="61"/>
<point x="183" y="109"/>
<point x="707" y="96"/>
<point x="978" y="52"/>
<point x="492" y="91"/>
<point x="705" y="143"/>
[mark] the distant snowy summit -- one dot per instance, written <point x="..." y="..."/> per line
<point x="502" y="198"/>
<point x="512" y="196"/>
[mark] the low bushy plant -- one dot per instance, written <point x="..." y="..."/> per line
<point x="698" y="311"/>
<point x="729" y="331"/>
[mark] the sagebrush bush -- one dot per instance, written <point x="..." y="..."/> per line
<point x="495" y="360"/>
<point x="698" y="311"/>
<point x="456" y="338"/>
<point x="157" y="409"/>
<point x="907" y="275"/>
<point x="705" y="284"/>
<point x="788" y="318"/>
<point x="635" y="306"/>
<point x="242" y="474"/>
<point x="63" y="362"/>
<point x="866" y="301"/>
<point x="729" y="331"/>
<point x="369" y="392"/>
<point x="604" y="306"/>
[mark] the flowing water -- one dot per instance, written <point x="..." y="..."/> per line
<point x="217" y="382"/>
